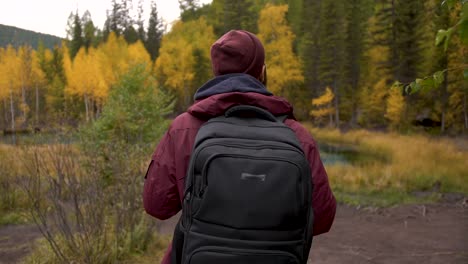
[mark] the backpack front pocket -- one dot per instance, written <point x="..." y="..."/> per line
<point x="243" y="194"/>
<point x="220" y="255"/>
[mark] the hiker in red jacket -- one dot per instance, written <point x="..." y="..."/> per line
<point x="238" y="62"/>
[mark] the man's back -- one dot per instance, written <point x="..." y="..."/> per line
<point x="164" y="187"/>
<point x="240" y="79"/>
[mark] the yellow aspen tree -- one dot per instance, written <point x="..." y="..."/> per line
<point x="323" y="106"/>
<point x="395" y="107"/>
<point x="176" y="65"/>
<point x="10" y="69"/>
<point x="85" y="80"/>
<point x="67" y="64"/>
<point x="3" y="86"/>
<point x="3" y="75"/>
<point x="457" y="81"/>
<point x="37" y="82"/>
<point x="137" y="54"/>
<point x="373" y="103"/>
<point x="377" y="81"/>
<point x="45" y="68"/>
<point x="283" y="66"/>
<point x="95" y="80"/>
<point x="25" y="74"/>
<point x="113" y="56"/>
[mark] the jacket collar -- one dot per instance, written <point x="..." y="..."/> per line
<point x="228" y="83"/>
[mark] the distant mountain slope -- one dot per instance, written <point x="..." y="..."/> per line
<point x="18" y="37"/>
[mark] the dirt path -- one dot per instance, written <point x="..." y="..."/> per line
<point x="429" y="234"/>
<point x="406" y="234"/>
<point x="16" y="242"/>
<point x="410" y="234"/>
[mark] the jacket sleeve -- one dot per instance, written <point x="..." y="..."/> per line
<point x="160" y="194"/>
<point x="323" y="201"/>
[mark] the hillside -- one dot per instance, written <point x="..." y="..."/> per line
<point x="17" y="37"/>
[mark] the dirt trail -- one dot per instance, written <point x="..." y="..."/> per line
<point x="408" y="234"/>
<point x="405" y="234"/>
<point x="16" y="241"/>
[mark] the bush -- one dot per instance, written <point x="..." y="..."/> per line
<point x="91" y="211"/>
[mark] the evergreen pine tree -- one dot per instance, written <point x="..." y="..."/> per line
<point x="240" y="15"/>
<point x="188" y="9"/>
<point x="89" y="30"/>
<point x="309" y="49"/>
<point x="70" y="26"/>
<point x="154" y="33"/>
<point x="331" y="59"/>
<point x="77" y="37"/>
<point x="358" y="13"/>
<point x="141" y="28"/>
<point x="409" y="39"/>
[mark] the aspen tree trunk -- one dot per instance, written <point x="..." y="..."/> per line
<point x="337" y="109"/>
<point x="23" y="98"/>
<point x="465" y="114"/>
<point x="5" y="110"/>
<point x="12" y="110"/>
<point x="93" y="108"/>
<point x="86" y="107"/>
<point x="37" y="106"/>
<point x="444" y="103"/>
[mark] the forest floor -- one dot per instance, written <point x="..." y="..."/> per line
<point x="404" y="234"/>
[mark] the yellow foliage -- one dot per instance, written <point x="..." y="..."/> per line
<point x="86" y="78"/>
<point x="283" y="66"/>
<point x="137" y="54"/>
<point x="38" y="75"/>
<point x="10" y="80"/>
<point x="373" y="101"/>
<point x="395" y="106"/>
<point x="3" y="75"/>
<point x="112" y="57"/>
<point x="323" y="104"/>
<point x="411" y="162"/>
<point x="25" y="54"/>
<point x="325" y="99"/>
<point x="175" y="65"/>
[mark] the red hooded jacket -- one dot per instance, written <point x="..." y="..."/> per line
<point x="164" y="184"/>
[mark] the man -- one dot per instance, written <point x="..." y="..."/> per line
<point x="238" y="62"/>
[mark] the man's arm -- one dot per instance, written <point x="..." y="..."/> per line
<point x="323" y="201"/>
<point x="160" y="195"/>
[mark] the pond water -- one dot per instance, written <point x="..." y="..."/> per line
<point x="330" y="154"/>
<point x="34" y="139"/>
<point x="342" y="154"/>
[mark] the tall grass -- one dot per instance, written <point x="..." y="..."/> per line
<point x="412" y="163"/>
<point x="13" y="201"/>
<point x="82" y="218"/>
<point x="87" y="198"/>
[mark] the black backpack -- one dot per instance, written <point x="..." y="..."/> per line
<point x="248" y="193"/>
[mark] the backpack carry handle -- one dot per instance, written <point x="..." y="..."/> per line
<point x="237" y="110"/>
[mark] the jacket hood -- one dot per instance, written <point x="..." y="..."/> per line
<point x="235" y="82"/>
<point x="226" y="91"/>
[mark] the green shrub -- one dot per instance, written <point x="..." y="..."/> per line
<point x="96" y="206"/>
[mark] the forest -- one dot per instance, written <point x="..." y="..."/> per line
<point x="383" y="82"/>
<point x="348" y="64"/>
<point x="17" y="37"/>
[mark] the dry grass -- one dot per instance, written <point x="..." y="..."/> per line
<point x="413" y="163"/>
